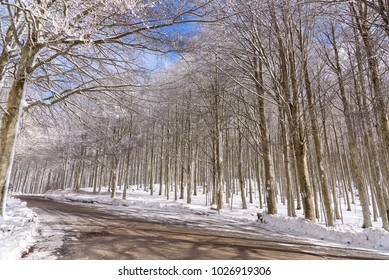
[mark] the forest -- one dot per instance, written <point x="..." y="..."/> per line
<point x="273" y="101"/>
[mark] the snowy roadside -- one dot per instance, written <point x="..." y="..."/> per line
<point x="347" y="235"/>
<point x="17" y="229"/>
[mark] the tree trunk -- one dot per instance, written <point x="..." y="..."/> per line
<point x="218" y="150"/>
<point x="270" y="187"/>
<point x="379" y="101"/>
<point x="126" y="173"/>
<point x="355" y="163"/>
<point x="382" y="199"/>
<point x="240" y="171"/>
<point x="10" y="119"/>
<point x="114" y="175"/>
<point x="299" y="141"/>
<point x="318" y="150"/>
<point x="258" y="179"/>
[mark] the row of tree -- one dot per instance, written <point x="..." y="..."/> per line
<point x="274" y="100"/>
<point x="51" y="50"/>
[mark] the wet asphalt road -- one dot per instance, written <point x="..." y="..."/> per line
<point x="73" y="231"/>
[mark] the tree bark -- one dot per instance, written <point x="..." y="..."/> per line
<point x="316" y="139"/>
<point x="10" y="120"/>
<point x="352" y="138"/>
<point x="240" y="171"/>
<point x="270" y="187"/>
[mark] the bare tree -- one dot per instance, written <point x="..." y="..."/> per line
<point x="56" y="40"/>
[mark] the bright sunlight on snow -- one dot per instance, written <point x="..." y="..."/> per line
<point x="17" y="230"/>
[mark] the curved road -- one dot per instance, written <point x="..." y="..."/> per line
<point x="79" y="231"/>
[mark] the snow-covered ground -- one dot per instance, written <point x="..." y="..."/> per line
<point x="17" y="229"/>
<point x="347" y="234"/>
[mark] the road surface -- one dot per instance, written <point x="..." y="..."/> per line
<point x="74" y="231"/>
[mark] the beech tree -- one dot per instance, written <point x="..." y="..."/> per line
<point x="65" y="48"/>
<point x="247" y="27"/>
<point x="277" y="99"/>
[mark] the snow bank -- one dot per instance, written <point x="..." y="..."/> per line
<point x="17" y="229"/>
<point x="349" y="234"/>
